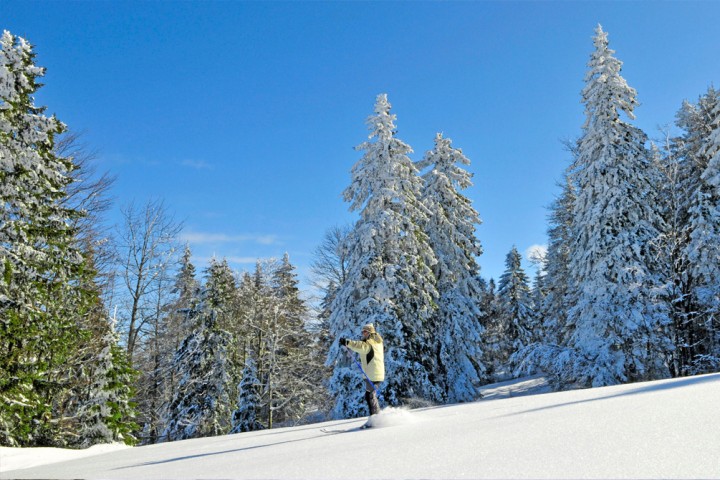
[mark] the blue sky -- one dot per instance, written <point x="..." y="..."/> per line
<point x="243" y="116"/>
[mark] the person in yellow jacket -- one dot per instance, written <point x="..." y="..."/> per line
<point x="372" y="360"/>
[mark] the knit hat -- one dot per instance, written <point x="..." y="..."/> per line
<point x="370" y="328"/>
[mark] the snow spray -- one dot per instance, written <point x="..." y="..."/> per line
<point x="392" y="417"/>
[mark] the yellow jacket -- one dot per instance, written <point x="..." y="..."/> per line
<point x="371" y="356"/>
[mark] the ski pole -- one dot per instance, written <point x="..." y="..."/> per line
<point x="379" y="395"/>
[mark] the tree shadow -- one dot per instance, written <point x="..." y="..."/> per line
<point x="299" y="428"/>
<point x="210" y="454"/>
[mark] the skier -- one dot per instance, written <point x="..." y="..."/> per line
<point x="371" y="353"/>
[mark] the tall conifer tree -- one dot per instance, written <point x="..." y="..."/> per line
<point x="296" y="367"/>
<point x="703" y="250"/>
<point x="618" y="321"/>
<point x="451" y="231"/>
<point x="389" y="282"/>
<point x="42" y="296"/>
<point x="682" y="162"/>
<point x="202" y="405"/>
<point x="516" y="318"/>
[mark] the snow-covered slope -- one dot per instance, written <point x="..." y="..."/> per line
<point x="665" y="429"/>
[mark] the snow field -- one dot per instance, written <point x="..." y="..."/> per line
<point x="664" y="429"/>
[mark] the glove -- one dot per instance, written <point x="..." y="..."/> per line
<point x="343" y="341"/>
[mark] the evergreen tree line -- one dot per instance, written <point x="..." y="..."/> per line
<point x="242" y="359"/>
<point x="629" y="289"/>
<point x="173" y="358"/>
<point x="631" y="285"/>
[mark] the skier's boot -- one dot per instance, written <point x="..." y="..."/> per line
<point x="373" y="406"/>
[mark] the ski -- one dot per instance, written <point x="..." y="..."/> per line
<point x="331" y="431"/>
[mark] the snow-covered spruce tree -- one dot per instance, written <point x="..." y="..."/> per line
<point x="689" y="208"/>
<point x="389" y="281"/>
<point x="40" y="263"/>
<point x="200" y="407"/>
<point x="671" y="262"/>
<point x="618" y="325"/>
<point x="201" y="404"/>
<point x="187" y="289"/>
<point x="295" y="377"/>
<point x="120" y="393"/>
<point x="488" y="304"/>
<point x="516" y="323"/>
<point x="93" y="405"/>
<point x="246" y="416"/>
<point x="94" y="409"/>
<point x="253" y="306"/>
<point x="182" y="315"/>
<point x="703" y="250"/>
<point x="451" y="232"/>
<point x="220" y="288"/>
<point x="276" y="340"/>
<point x="176" y="312"/>
<point x="256" y="305"/>
<point x="221" y="294"/>
<point x="105" y="413"/>
<point x="681" y="163"/>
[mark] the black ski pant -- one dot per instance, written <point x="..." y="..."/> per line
<point x="371" y="397"/>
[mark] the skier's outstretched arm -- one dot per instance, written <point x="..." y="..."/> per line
<point x="359" y="346"/>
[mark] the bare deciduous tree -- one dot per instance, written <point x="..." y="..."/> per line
<point x="330" y="263"/>
<point x="89" y="193"/>
<point x="329" y="271"/>
<point x="145" y="251"/>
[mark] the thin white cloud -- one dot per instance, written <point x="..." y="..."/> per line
<point x="197" y="164"/>
<point x="214" y="238"/>
<point x="266" y="239"/>
<point x="242" y="260"/>
<point x="202" y="260"/>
